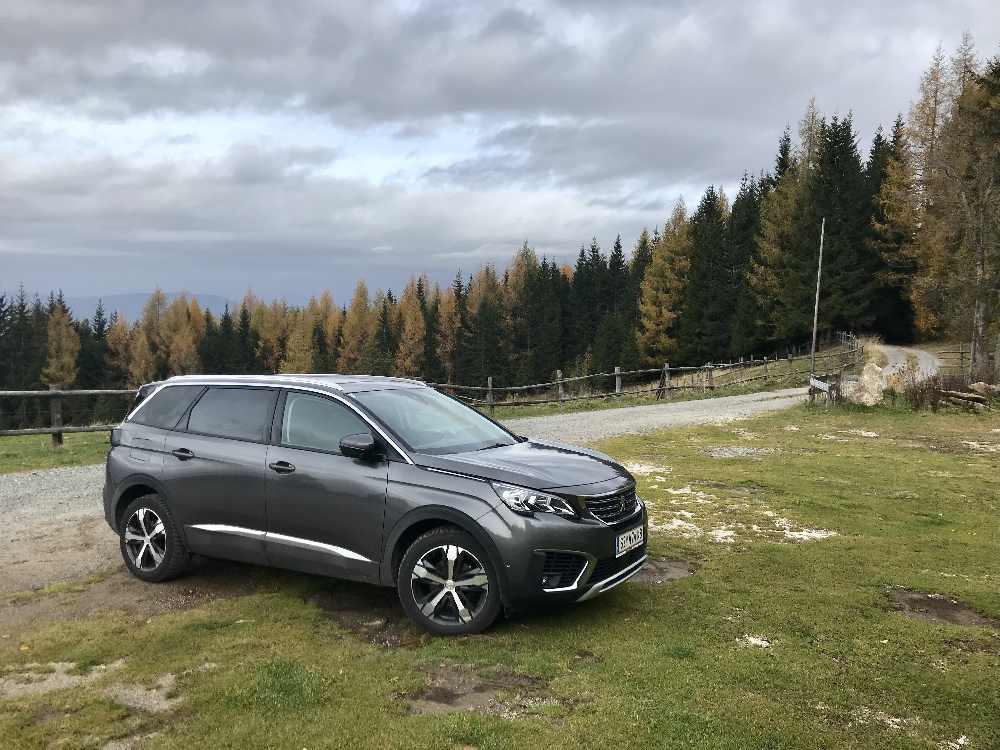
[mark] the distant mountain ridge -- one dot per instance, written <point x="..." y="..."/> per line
<point x="130" y="305"/>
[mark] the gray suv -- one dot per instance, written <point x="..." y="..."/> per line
<point x="380" y="480"/>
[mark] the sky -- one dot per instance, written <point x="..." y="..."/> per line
<point x="295" y="146"/>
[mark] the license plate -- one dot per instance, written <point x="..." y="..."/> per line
<point x="628" y="541"/>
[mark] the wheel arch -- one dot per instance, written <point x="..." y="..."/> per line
<point x="134" y="487"/>
<point x="420" y="521"/>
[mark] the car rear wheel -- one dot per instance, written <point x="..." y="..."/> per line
<point x="447" y="585"/>
<point x="151" y="543"/>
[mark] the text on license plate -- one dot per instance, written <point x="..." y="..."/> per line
<point x="628" y="541"/>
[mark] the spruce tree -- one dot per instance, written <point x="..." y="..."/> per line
<point x="617" y="287"/>
<point x="642" y="254"/>
<point x="704" y="326"/>
<point x="894" y="227"/>
<point x="748" y="334"/>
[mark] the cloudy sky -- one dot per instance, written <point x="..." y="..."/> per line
<point x="293" y="145"/>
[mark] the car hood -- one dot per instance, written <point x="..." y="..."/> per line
<point x="533" y="464"/>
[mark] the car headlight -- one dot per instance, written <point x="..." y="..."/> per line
<point x="523" y="500"/>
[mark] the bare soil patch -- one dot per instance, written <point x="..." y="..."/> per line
<point x="452" y="688"/>
<point x="39" y="679"/>
<point x="938" y="608"/>
<point x="208" y="581"/>
<point x="370" y="612"/>
<point x="738" y="451"/>
<point x="661" y="571"/>
<point x="152" y="700"/>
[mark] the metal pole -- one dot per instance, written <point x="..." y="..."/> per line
<point x="618" y="379"/>
<point x="819" y="273"/>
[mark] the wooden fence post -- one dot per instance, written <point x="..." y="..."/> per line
<point x="559" y="384"/>
<point x="489" y="393"/>
<point x="618" y="379"/>
<point x="55" y="412"/>
<point x="666" y="380"/>
<point x="711" y="376"/>
<point x="996" y="361"/>
<point x="961" y="358"/>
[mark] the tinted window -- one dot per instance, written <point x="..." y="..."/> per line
<point x="315" y="422"/>
<point x="167" y="406"/>
<point x="242" y="413"/>
<point x="430" y="422"/>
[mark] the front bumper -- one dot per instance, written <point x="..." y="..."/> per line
<point x="599" y="587"/>
<point x="526" y="544"/>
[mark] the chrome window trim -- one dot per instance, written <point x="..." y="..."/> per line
<point x="356" y="410"/>
<point x="270" y="536"/>
<point x="198" y="380"/>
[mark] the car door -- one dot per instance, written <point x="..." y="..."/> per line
<point x="214" y="472"/>
<point x="324" y="510"/>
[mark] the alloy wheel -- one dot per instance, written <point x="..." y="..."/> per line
<point x="450" y="585"/>
<point x="145" y="539"/>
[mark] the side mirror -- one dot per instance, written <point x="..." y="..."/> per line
<point x="360" y="445"/>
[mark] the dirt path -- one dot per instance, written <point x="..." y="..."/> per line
<point x="52" y="529"/>
<point x="899" y="357"/>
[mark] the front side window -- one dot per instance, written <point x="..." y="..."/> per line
<point x="317" y="423"/>
<point x="165" y="408"/>
<point x="430" y="422"/>
<point x="240" y="413"/>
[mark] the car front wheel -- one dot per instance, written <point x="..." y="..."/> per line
<point x="447" y="585"/>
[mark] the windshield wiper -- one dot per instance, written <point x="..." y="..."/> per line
<point x="494" y="445"/>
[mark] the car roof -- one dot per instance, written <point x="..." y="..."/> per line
<point x="332" y="382"/>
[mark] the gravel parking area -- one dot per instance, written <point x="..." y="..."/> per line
<point x="52" y="527"/>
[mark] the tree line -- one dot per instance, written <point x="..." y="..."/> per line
<point x="910" y="250"/>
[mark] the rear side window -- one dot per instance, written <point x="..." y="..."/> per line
<point x="317" y="423"/>
<point x="240" y="413"/>
<point x="167" y="406"/>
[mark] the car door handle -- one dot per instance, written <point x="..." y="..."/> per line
<point x="281" y="467"/>
<point x="182" y="453"/>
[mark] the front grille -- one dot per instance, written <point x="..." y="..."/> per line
<point x="561" y="569"/>
<point x="610" y="565"/>
<point x="614" y="508"/>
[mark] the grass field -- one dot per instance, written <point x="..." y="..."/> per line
<point x="803" y="528"/>
<point x="35" y="451"/>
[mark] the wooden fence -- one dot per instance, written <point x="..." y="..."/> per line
<point x="959" y="361"/>
<point x="661" y="381"/>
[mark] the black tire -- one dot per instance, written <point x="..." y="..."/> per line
<point x="161" y="555"/>
<point x="417" y="593"/>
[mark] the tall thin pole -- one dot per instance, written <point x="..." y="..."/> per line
<point x="819" y="274"/>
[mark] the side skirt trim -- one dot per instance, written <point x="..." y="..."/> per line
<point x="291" y="541"/>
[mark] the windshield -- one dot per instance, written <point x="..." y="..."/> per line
<point x="430" y="422"/>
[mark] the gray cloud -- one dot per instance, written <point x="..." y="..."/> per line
<point x="546" y="121"/>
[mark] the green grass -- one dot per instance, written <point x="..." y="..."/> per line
<point x="27" y="452"/>
<point x="913" y="507"/>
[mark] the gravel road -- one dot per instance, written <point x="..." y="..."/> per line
<point x="51" y="523"/>
<point x="589" y="426"/>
